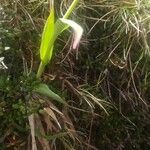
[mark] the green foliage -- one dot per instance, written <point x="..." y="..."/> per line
<point x="44" y="90"/>
<point x="46" y="48"/>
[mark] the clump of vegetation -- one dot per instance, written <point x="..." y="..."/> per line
<point x="92" y="97"/>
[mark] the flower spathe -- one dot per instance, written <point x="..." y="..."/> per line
<point x="78" y="31"/>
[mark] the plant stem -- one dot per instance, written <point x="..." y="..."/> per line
<point x="70" y="9"/>
<point x="40" y="70"/>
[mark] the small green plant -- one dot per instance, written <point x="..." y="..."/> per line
<point x="51" y="30"/>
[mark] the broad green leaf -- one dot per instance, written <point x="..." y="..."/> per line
<point x="44" y="90"/>
<point x="46" y="48"/>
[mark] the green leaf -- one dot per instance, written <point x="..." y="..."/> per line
<point x="44" y="90"/>
<point x="46" y="48"/>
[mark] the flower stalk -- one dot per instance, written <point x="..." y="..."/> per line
<point x="70" y="9"/>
